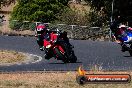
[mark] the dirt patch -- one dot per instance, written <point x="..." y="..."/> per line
<point x="8" y="58"/>
<point x="50" y="80"/>
<point x="11" y="56"/>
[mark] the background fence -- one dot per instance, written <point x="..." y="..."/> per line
<point x="74" y="31"/>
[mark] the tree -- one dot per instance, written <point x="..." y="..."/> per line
<point x="38" y="10"/>
<point x="121" y="7"/>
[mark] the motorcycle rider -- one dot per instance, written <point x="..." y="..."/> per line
<point x="121" y="32"/>
<point x="43" y="33"/>
<point x="118" y="28"/>
<point x="40" y="33"/>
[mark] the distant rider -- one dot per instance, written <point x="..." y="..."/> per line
<point x="121" y="31"/>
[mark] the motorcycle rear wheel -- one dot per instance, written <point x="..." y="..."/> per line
<point x="73" y="59"/>
<point x="69" y="53"/>
<point x="61" y="56"/>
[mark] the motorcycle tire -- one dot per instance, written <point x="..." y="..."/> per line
<point x="61" y="56"/>
<point x="69" y="53"/>
<point x="73" y="58"/>
<point x="130" y="51"/>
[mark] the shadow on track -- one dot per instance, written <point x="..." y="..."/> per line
<point x="65" y="63"/>
<point x="127" y="56"/>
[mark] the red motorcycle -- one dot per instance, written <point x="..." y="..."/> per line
<point x="58" y="46"/>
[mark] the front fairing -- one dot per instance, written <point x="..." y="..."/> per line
<point x="127" y="37"/>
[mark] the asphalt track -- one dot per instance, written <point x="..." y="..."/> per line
<point x="105" y="55"/>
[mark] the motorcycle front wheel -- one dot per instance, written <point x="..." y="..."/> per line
<point x="130" y="51"/>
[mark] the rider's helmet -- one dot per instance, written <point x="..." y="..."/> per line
<point x="122" y="26"/>
<point x="41" y="29"/>
<point x="121" y="30"/>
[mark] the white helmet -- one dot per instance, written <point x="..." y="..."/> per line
<point x="122" y="26"/>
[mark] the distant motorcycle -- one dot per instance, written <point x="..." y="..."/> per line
<point x="58" y="47"/>
<point x="126" y="40"/>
